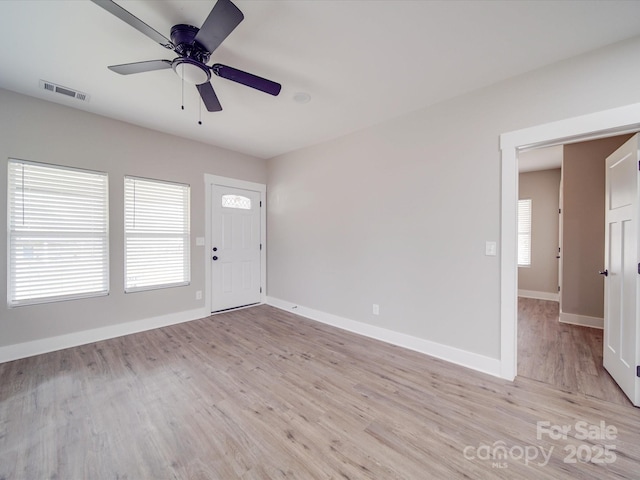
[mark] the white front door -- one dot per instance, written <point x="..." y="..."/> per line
<point x="621" y="269"/>
<point x="235" y="253"/>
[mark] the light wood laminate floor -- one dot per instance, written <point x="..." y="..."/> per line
<point x="567" y="356"/>
<point x="263" y="394"/>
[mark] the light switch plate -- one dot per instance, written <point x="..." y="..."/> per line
<point x="491" y="249"/>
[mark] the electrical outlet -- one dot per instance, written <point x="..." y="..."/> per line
<point x="199" y="295"/>
<point x="376" y="309"/>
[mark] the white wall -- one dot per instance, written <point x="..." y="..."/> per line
<point x="36" y="130"/>
<point x="398" y="214"/>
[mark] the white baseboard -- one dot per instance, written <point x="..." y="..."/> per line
<point x="554" y="297"/>
<point x="464" y="358"/>
<point x="45" y="345"/>
<point x="584" y="320"/>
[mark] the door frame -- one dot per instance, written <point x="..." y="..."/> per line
<point x="592" y="126"/>
<point x="560" y="236"/>
<point x="210" y="181"/>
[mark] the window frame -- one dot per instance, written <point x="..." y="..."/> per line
<point x="37" y="228"/>
<point x="186" y="237"/>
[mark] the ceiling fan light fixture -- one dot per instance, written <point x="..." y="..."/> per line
<point x="191" y="71"/>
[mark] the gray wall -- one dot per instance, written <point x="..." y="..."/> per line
<point x="583" y="191"/>
<point x="543" y="188"/>
<point x="398" y="214"/>
<point x="36" y="130"/>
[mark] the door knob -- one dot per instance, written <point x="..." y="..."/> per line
<point x="215" y="257"/>
<point x="605" y="273"/>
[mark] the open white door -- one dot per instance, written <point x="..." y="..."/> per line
<point x="621" y="330"/>
<point x="236" y="248"/>
<point x="560" y="237"/>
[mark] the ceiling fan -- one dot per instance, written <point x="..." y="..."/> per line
<point x="194" y="47"/>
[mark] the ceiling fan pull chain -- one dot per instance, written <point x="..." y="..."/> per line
<point x="182" y="66"/>
<point x="200" y="111"/>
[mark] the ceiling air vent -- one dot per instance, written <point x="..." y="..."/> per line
<point x="52" y="87"/>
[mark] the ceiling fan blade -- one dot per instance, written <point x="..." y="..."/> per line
<point x="209" y="97"/>
<point x="115" y="9"/>
<point x="222" y="19"/>
<point x="140" y="67"/>
<point x="248" y="79"/>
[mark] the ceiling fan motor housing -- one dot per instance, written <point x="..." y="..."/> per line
<point x="183" y="37"/>
<point x="191" y="64"/>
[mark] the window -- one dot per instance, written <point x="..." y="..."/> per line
<point x="236" y="201"/>
<point x="157" y="234"/>
<point x="524" y="232"/>
<point x="58" y="233"/>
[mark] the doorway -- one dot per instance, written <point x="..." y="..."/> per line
<point x="559" y="346"/>
<point x="597" y="125"/>
<point x="235" y="243"/>
<point x="555" y="344"/>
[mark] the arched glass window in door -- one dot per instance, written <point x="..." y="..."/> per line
<point x="236" y="201"/>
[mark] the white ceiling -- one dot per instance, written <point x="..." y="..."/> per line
<point x="362" y="62"/>
<point x="540" y="159"/>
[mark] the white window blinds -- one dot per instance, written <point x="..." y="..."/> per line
<point x="58" y="233"/>
<point x="524" y="232"/>
<point x="157" y="234"/>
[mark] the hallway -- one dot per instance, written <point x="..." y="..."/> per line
<point x="567" y="356"/>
